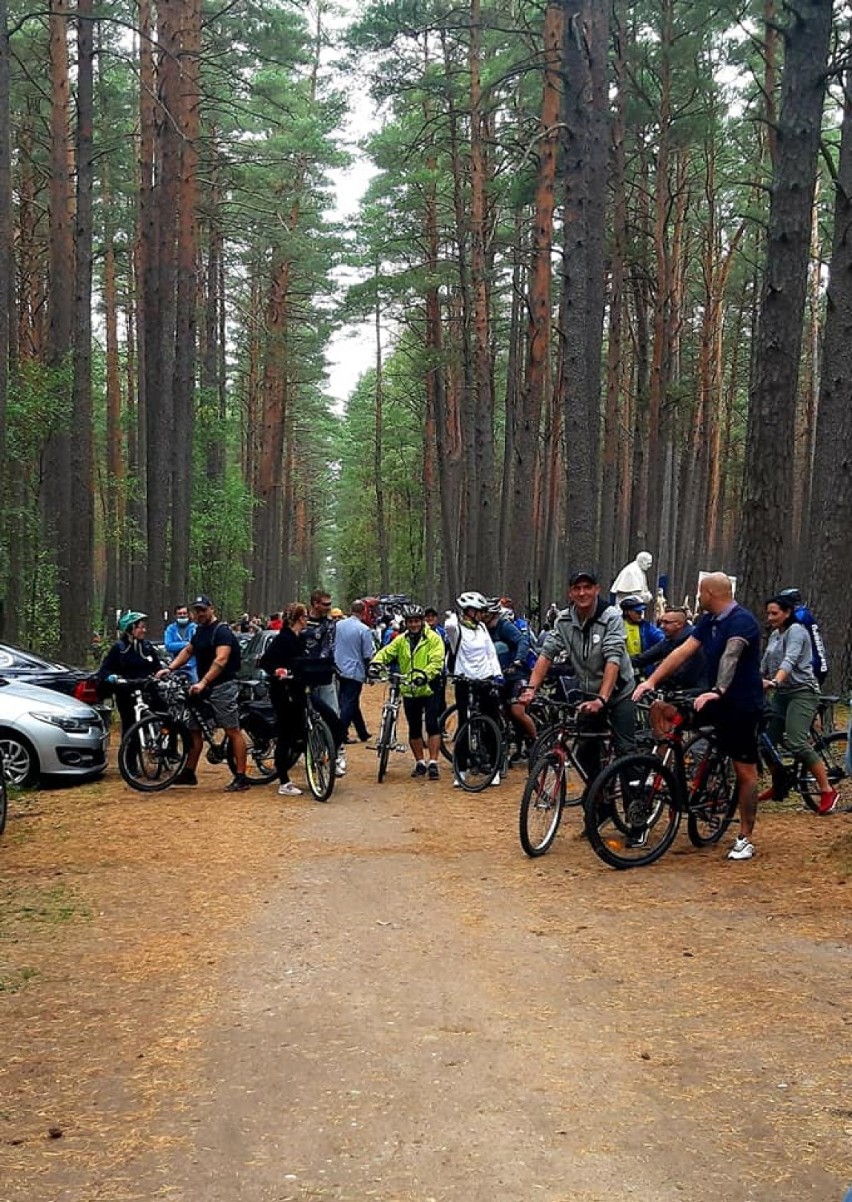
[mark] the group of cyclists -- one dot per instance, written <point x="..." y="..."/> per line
<point x="603" y="646"/>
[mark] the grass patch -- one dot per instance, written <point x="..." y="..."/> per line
<point x="31" y="905"/>
<point x="14" y="982"/>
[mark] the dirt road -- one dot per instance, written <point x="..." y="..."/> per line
<point x="209" y="999"/>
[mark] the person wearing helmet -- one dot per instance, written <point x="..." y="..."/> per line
<point x="419" y="649"/>
<point x="819" y="658"/>
<point x="132" y="657"/>
<point x="474" y="658"/>
<point x="512" y="646"/>
<point x="641" y="634"/>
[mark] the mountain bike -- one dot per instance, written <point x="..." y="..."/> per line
<point x="561" y="762"/>
<point x="480" y="746"/>
<point x="154" y="750"/>
<point x="633" y="809"/>
<point x="790" y="773"/>
<point x="386" y="740"/>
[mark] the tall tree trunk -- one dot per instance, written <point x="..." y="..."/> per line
<point x="765" y="532"/>
<point x="77" y="628"/>
<point x="524" y="467"/>
<point x="185" y="110"/>
<point x="585" y="51"/>
<point x="382" y="533"/>
<point x="832" y="481"/>
<point x="7" y="298"/>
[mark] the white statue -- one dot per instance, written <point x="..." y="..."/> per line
<point x="631" y="581"/>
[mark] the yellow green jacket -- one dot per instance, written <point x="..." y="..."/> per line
<point x="428" y="657"/>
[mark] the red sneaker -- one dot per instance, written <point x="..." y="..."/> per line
<point x="827" y="802"/>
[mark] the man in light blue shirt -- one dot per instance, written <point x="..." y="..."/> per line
<point x="177" y="634"/>
<point x="353" y="650"/>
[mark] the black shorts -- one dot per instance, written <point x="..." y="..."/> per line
<point x="418" y="708"/>
<point x="736" y="730"/>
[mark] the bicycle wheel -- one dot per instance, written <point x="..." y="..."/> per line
<point x="478" y="753"/>
<point x="542" y="803"/>
<point x="320" y="757"/>
<point x="448" y="725"/>
<point x="385" y="741"/>
<point x="714" y="803"/>
<point x="831" y="749"/>
<point x="260" y="759"/>
<point x="544" y="743"/>
<point x="632" y="811"/>
<point x="152" y="753"/>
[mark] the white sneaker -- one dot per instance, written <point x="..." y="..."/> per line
<point x="496" y="780"/>
<point x="288" y="789"/>
<point x="340" y="766"/>
<point x="458" y="780"/>
<point x="743" y="849"/>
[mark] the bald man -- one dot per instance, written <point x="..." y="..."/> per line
<point x="730" y="639"/>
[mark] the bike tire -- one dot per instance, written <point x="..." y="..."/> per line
<point x="544" y="743"/>
<point x="542" y="803"/>
<point x="153" y="752"/>
<point x="480" y="744"/>
<point x="260" y="760"/>
<point x="320" y="760"/>
<point x="385" y="742"/>
<point x="831" y="749"/>
<point x="711" y="811"/>
<point x="448" y="727"/>
<point x="632" y="811"/>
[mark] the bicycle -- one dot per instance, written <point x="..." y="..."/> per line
<point x="154" y="750"/>
<point x="315" y="741"/>
<point x="790" y="773"/>
<point x="558" y="776"/>
<point x="386" y="740"/>
<point x="633" y="809"/>
<point x="480" y="745"/>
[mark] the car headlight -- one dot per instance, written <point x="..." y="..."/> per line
<point x="65" y="722"/>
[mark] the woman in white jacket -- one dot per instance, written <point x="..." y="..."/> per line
<point x="473" y="658"/>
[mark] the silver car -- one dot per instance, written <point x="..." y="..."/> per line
<point x="43" y="733"/>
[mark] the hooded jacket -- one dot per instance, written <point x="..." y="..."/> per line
<point x="591" y="645"/>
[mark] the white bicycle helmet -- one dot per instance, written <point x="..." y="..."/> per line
<point x="471" y="601"/>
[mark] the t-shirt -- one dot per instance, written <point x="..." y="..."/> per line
<point x="204" y="643"/>
<point x="745" y="692"/>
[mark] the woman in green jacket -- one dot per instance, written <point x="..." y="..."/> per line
<point x="418" y="649"/>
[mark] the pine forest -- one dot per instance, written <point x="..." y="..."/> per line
<point x="600" y="275"/>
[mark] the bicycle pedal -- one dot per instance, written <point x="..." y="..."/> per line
<point x="215" y="756"/>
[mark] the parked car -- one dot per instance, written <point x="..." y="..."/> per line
<point x="29" y="668"/>
<point x="43" y="733"/>
<point x="252" y="653"/>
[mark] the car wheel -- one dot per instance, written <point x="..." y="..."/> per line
<point x="19" y="758"/>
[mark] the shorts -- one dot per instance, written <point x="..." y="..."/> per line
<point x="418" y="708"/>
<point x="736" y="731"/>
<point x="223" y="700"/>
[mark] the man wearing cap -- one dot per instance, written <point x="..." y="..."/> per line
<point x="641" y="634"/>
<point x="592" y="634"/>
<point x="217" y="655"/>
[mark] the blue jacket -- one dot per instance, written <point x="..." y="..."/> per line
<point x="175" y="639"/>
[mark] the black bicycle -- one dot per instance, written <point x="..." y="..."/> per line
<point x="562" y="760"/>
<point x="315" y="740"/>
<point x="790" y="774"/>
<point x="155" y="748"/>
<point x="633" y="809"/>
<point x="480" y="745"/>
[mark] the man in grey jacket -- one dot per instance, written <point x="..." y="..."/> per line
<point x="592" y="634"/>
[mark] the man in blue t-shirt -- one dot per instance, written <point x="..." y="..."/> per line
<point x="729" y="636"/>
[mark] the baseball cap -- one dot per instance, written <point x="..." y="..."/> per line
<point x="201" y="602"/>
<point x="576" y="577"/>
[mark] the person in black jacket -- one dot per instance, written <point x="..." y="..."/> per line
<point x="676" y="629"/>
<point x="131" y="658"/>
<point x="285" y="692"/>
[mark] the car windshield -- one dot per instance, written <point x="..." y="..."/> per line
<point x="15" y="659"/>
